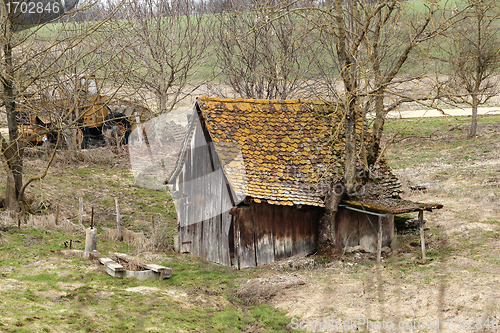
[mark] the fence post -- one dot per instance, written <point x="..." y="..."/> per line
<point x="422" y="238"/>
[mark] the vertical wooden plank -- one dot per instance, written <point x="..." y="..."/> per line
<point x="246" y="238"/>
<point x="263" y="219"/>
<point x="422" y="238"/>
<point x="347" y="228"/>
<point x="295" y="226"/>
<point x="207" y="239"/>
<point x="200" y="193"/>
<point x="216" y="179"/>
<point x="196" y="181"/>
<point x="318" y="214"/>
<point x="186" y="239"/>
<point x="311" y="220"/>
<point x="182" y="239"/>
<point x="300" y="233"/>
<point x="203" y="182"/>
<point x="279" y="226"/>
<point x="195" y="241"/>
<point x="388" y="231"/>
<point x="188" y="186"/>
<point x="181" y="209"/>
<point x="224" y="207"/>
<point x="288" y="231"/>
<point x="211" y="240"/>
<point x="367" y="234"/>
<point x="228" y="238"/>
<point x="215" y="242"/>
<point x="218" y="241"/>
<point x="237" y="241"/>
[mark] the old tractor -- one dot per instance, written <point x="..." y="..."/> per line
<point x="99" y="121"/>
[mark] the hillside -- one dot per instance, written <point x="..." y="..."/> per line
<point x="46" y="291"/>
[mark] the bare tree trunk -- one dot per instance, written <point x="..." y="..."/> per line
<point x="350" y="147"/>
<point x="349" y="77"/>
<point x="70" y="138"/>
<point x="378" y="129"/>
<point x="162" y="103"/>
<point x="13" y="150"/>
<point x="473" y="127"/>
<point x="378" y="124"/>
<point x="326" y="233"/>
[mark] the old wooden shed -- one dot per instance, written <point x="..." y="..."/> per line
<point x="252" y="176"/>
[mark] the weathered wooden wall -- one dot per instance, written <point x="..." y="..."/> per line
<point x="204" y="221"/>
<point x="266" y="233"/>
<point x="353" y="228"/>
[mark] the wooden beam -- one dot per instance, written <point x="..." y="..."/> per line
<point x="363" y="210"/>
<point x="378" y="208"/>
<point x="114" y="266"/>
<point x="165" y="272"/>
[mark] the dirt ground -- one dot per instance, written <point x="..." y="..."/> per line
<point x="459" y="286"/>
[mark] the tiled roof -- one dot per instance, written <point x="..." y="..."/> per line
<point x="282" y="152"/>
<point x="284" y="147"/>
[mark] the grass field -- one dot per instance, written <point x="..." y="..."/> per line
<point x="43" y="291"/>
<point x="418" y="61"/>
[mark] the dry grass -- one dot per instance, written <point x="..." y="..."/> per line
<point x="44" y="222"/>
<point x="137" y="239"/>
<point x="157" y="241"/>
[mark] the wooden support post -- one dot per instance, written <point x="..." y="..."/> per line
<point x="57" y="215"/>
<point x="118" y="229"/>
<point x="92" y="219"/>
<point x="379" y="239"/>
<point x="422" y="238"/>
<point x="80" y="214"/>
<point x="90" y="240"/>
<point x="91" y="235"/>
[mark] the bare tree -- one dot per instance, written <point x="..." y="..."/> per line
<point x="31" y="66"/>
<point x="163" y="49"/>
<point x="263" y="52"/>
<point x="363" y="59"/>
<point x="472" y="50"/>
